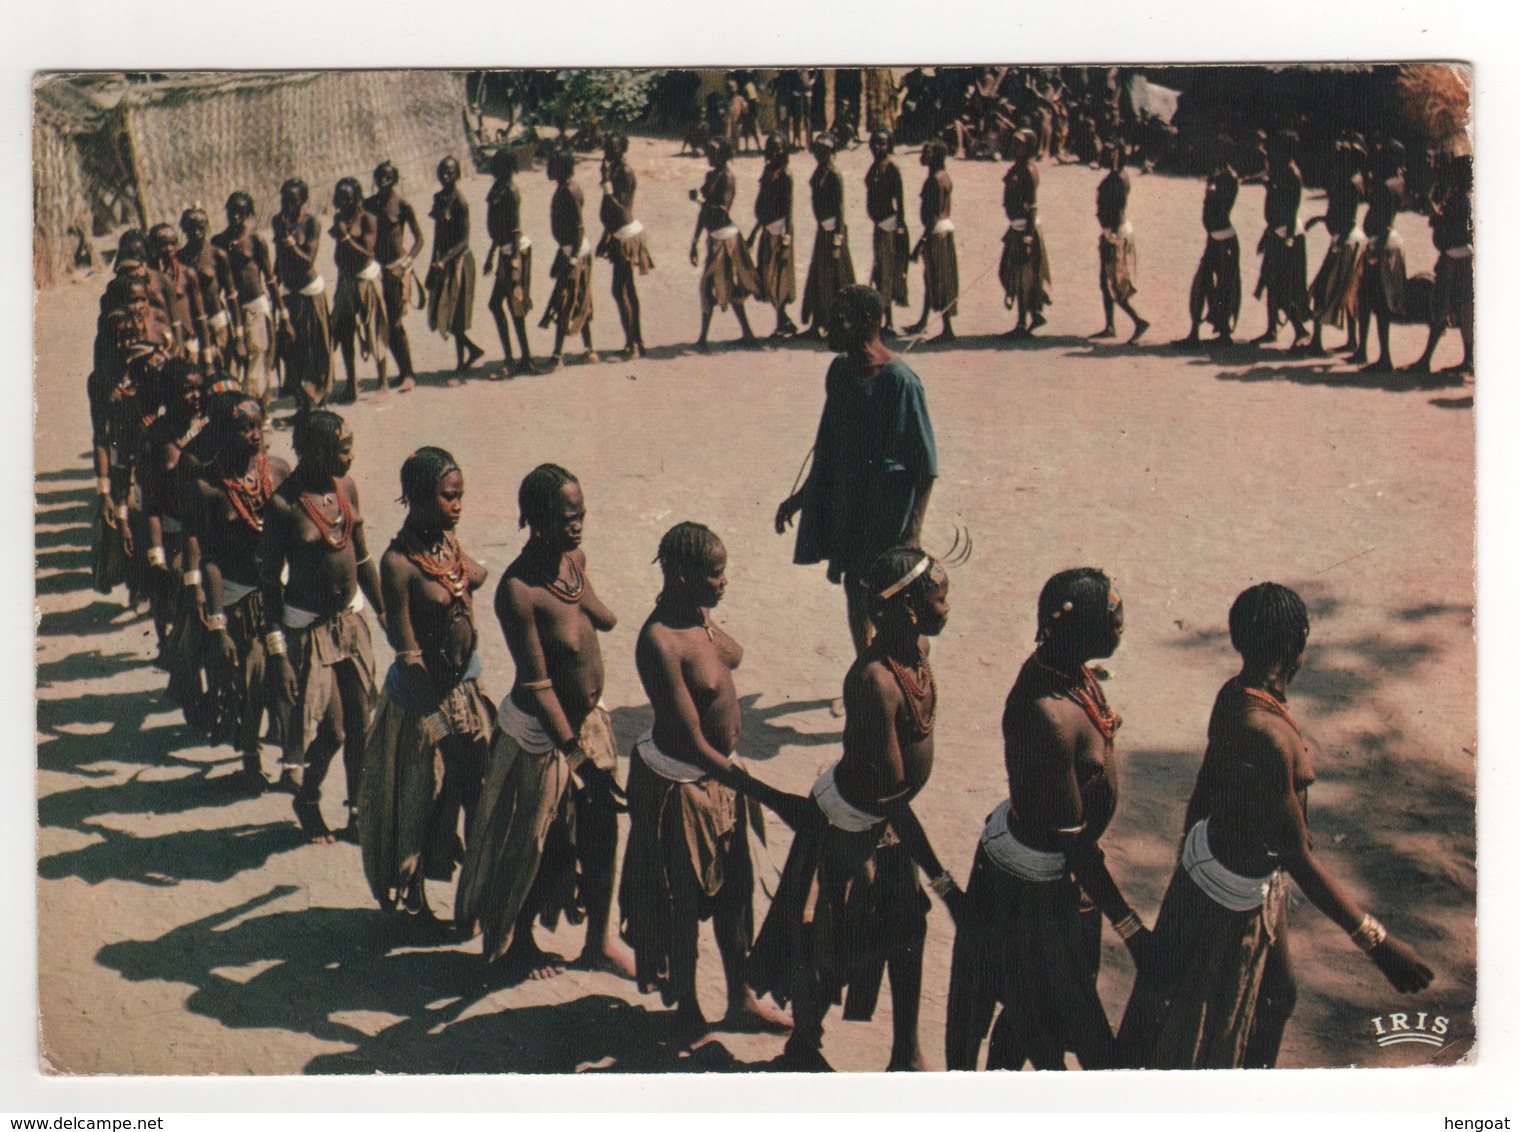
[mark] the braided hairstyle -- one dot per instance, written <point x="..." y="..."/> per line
<point x="1074" y="602"/>
<point x="316" y="432"/>
<point x="422" y="472"/>
<point x="934" y="153"/>
<point x="538" y="496"/>
<point x="298" y="188"/>
<point x="775" y="151"/>
<point x="883" y="138"/>
<point x="1268" y="624"/>
<point x="160" y="236"/>
<point x="221" y="415"/>
<point x="386" y="173"/>
<point x="351" y="184"/>
<point x="687" y="550"/>
<point x="241" y="203"/>
<point x="862" y="305"/>
<point x="132" y="245"/>
<point x="891" y="567"/>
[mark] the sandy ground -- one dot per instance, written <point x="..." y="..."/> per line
<point x="185" y="929"/>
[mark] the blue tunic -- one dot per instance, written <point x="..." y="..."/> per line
<point x="875" y="445"/>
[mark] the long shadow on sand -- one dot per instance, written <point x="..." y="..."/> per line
<point x="195" y="854"/>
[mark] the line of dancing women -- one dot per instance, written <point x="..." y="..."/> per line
<point x="259" y="575"/>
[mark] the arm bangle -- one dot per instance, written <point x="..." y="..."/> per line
<point x="274" y="643"/>
<point x="362" y="561"/>
<point x="1129" y="927"/>
<point x="156" y="556"/>
<point x="103" y="485"/>
<point x="407" y="652"/>
<point x="216" y="622"/>
<point x="538" y="685"/>
<point x="191" y="577"/>
<point x="1369" y="933"/>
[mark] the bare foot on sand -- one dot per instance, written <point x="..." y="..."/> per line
<point x="751" y="1015"/>
<point x="611" y="956"/>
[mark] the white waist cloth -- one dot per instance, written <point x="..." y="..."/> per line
<point x="523" y="243"/>
<point x="777" y="227"/>
<point x="218" y="320"/>
<point x="259" y="305"/>
<point x="840" y="813"/>
<point x="1221" y="233"/>
<point x="1013" y="856"/>
<point x="830" y="224"/>
<point x="1124" y="232"/>
<point x="298" y="618"/>
<point x="731" y="232"/>
<point x="317" y="286"/>
<point x="192" y="345"/>
<point x="628" y="231"/>
<point x="1464" y="252"/>
<point x="572" y="252"/>
<point x="234" y="592"/>
<point x="1018" y="225"/>
<point x="889" y="224"/>
<point x="372" y="272"/>
<point x="672" y="770"/>
<point x="524" y="729"/>
<point x="1225" y="888"/>
<point x="943" y="225"/>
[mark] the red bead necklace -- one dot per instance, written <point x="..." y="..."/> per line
<point x="344" y="524"/>
<point x="919" y="692"/>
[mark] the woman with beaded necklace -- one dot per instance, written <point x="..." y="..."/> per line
<point x="427" y="743"/>
<point x="849" y="904"/>
<point x="1030" y="931"/>
<point x="1220" y="989"/>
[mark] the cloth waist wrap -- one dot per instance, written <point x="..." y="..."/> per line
<point x="192" y="345"/>
<point x="730" y="232"/>
<point x="1221" y="233"/>
<point x="572" y="252"/>
<point x="1018" y="225"/>
<point x="218" y="320"/>
<point x="524" y="729"/>
<point x="942" y="225"/>
<point x="1124" y="232"/>
<point x="672" y="770"/>
<point x="841" y="814"/>
<point x="317" y="286"/>
<point x="372" y="272"/>
<point x="1464" y="252"/>
<point x="234" y="592"/>
<point x="1226" y="888"/>
<point x="830" y="224"/>
<point x="628" y="231"/>
<point x="1013" y="856"/>
<point x="396" y="689"/>
<point x="298" y="618"/>
<point x="777" y="227"/>
<point x="889" y="224"/>
<point x="260" y="305"/>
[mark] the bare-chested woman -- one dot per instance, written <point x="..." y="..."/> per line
<point x="623" y="241"/>
<point x="529" y="855"/>
<point x="728" y="273"/>
<point x="321" y="666"/>
<point x="161" y="473"/>
<point x="257" y="304"/>
<point x="849" y="903"/>
<point x="1029" y="933"/>
<point x="451" y="276"/>
<point x="774" y="257"/>
<point x="942" y="276"/>
<point x="428" y="741"/>
<point x="211" y="274"/>
<point x="688" y="842"/>
<point x="230" y="498"/>
<point x="305" y="346"/>
<point x="358" y="308"/>
<point x="1219" y="988"/>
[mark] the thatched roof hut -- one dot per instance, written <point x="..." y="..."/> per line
<point x="118" y="151"/>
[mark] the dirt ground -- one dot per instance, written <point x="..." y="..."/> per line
<point x="184" y="928"/>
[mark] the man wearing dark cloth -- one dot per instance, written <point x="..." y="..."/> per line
<point x="229" y="503"/>
<point x="775" y="260"/>
<point x="889" y="227"/>
<point x="831" y="269"/>
<point x="849" y="906"/>
<point x="570" y="306"/>
<point x="256" y="298"/>
<point x="394" y="218"/>
<point x="689" y="806"/>
<point x="306" y="348"/>
<point x="874" y="461"/>
<point x="1380" y="296"/>
<point x="320" y="661"/>
<point x="623" y="241"/>
<point x="1024" y="268"/>
<point x="176" y="291"/>
<point x="451" y="275"/>
<point x="511" y="255"/>
<point x="1284" y="261"/>
<point x="728" y="274"/>
<point x="1116" y="248"/>
<point x="544" y="841"/>
<point x="358" y="308"/>
<point x="1332" y="296"/>
<point x="209" y="268"/>
<point x="1451" y="229"/>
<point x="942" y="278"/>
<point x="427" y="745"/>
<point x="1029" y="934"/>
<point x="1218" y="989"/>
<point x="1215" y="292"/>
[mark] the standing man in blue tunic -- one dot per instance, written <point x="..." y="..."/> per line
<point x="873" y="462"/>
